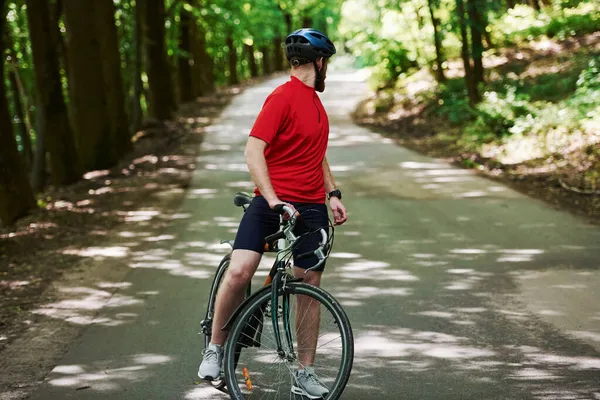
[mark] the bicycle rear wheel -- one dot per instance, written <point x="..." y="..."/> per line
<point x="263" y="373"/>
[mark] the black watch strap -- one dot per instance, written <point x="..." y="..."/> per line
<point x="334" y="193"/>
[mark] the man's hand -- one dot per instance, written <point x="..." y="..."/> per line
<point x="340" y="215"/>
<point x="276" y="201"/>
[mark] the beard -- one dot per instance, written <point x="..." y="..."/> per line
<point x="320" y="86"/>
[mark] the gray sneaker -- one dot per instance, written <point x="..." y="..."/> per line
<point x="307" y="384"/>
<point x="210" y="369"/>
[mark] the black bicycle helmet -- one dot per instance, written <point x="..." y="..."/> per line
<point x="308" y="44"/>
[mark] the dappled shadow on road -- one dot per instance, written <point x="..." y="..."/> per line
<point x="449" y="290"/>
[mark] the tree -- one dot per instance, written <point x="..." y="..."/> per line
<point x="95" y="77"/>
<point x="266" y="64"/>
<point x="185" y="69"/>
<point x="470" y="82"/>
<point x="136" y="112"/>
<point x="20" y="109"/>
<point x="162" y="98"/>
<point x="16" y="196"/>
<point x="232" y="56"/>
<point x="251" y="60"/>
<point x="202" y="72"/>
<point x="60" y="141"/>
<point x="475" y="9"/>
<point x="113" y="77"/>
<point x="277" y="54"/>
<point x="439" y="58"/>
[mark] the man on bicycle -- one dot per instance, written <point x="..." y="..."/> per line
<point x="285" y="154"/>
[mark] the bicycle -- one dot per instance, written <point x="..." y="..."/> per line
<point x="254" y="364"/>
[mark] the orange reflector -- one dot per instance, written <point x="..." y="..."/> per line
<point x="247" y="379"/>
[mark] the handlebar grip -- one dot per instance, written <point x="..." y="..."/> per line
<point x="278" y="208"/>
<point x="276" y="236"/>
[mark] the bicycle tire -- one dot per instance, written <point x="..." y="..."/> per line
<point x="241" y="323"/>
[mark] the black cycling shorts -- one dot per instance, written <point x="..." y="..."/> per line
<point x="259" y="221"/>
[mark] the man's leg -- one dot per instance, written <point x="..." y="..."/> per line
<point x="241" y="269"/>
<point x="308" y="319"/>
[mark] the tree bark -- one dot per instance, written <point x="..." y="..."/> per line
<point x="59" y="136"/>
<point x="439" y="57"/>
<point x="266" y="65"/>
<point x="233" y="60"/>
<point x="203" y="71"/>
<point x="162" y="98"/>
<point x="288" y="22"/>
<point x="510" y="4"/>
<point x="88" y="86"/>
<point x="185" y="69"/>
<point x="16" y="196"/>
<point x="20" y="102"/>
<point x="251" y="60"/>
<point x="469" y="79"/>
<point x="535" y="4"/>
<point x="277" y="54"/>
<point x="307" y="22"/>
<point x="136" y="104"/>
<point x="113" y="77"/>
<point x="475" y="8"/>
<point x="38" y="172"/>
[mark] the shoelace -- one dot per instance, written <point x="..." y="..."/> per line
<point x="210" y="355"/>
<point x="312" y="377"/>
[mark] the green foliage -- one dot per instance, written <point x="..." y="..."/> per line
<point x="523" y="23"/>
<point x="452" y="101"/>
<point x="502" y="116"/>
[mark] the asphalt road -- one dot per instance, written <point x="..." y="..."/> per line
<point x="457" y="287"/>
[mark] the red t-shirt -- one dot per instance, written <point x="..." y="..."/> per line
<point x="295" y="127"/>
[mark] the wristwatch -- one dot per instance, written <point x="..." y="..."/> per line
<point x="334" y="193"/>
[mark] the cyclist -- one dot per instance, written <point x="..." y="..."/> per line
<point x="285" y="154"/>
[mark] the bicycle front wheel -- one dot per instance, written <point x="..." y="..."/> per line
<point x="314" y="331"/>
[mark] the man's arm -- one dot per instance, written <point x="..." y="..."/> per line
<point x="257" y="164"/>
<point x="329" y="182"/>
<point x="340" y="214"/>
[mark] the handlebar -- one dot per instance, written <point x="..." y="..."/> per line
<point x="286" y="232"/>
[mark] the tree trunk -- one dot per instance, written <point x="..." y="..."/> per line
<point x="136" y="104"/>
<point x="277" y="54"/>
<point x="439" y="58"/>
<point x="185" y="69"/>
<point x="113" y="77"/>
<point x="89" y="94"/>
<point x="475" y="8"/>
<point x="233" y="59"/>
<point x="21" y="127"/>
<point x="203" y="71"/>
<point x="510" y="4"/>
<point x="251" y="60"/>
<point x="38" y="172"/>
<point x="16" y="196"/>
<point x="535" y="5"/>
<point x="307" y="22"/>
<point x="288" y="22"/>
<point x="469" y="79"/>
<point x="19" y="97"/>
<point x="266" y="64"/>
<point x="55" y="14"/>
<point x="59" y="136"/>
<point x="162" y="98"/>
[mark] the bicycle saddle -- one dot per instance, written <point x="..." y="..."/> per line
<point x="241" y="199"/>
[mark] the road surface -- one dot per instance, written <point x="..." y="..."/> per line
<point x="457" y="287"/>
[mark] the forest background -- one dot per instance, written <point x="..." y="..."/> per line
<point x="103" y="103"/>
